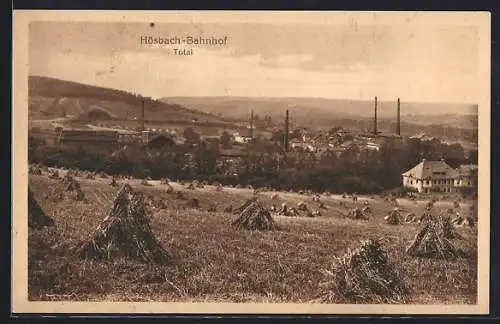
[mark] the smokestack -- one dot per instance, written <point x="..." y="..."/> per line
<point x="142" y="115"/>
<point x="375" y="118"/>
<point x="287" y="116"/>
<point x="398" y="121"/>
<point x="251" y="124"/>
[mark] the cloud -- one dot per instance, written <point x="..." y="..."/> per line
<point x="418" y="73"/>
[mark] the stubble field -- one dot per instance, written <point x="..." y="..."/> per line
<point x="214" y="262"/>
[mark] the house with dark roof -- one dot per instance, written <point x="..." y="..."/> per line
<point x="160" y="141"/>
<point x="431" y="176"/>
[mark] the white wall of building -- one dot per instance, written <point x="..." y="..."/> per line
<point x="430" y="185"/>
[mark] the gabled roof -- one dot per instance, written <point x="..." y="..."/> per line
<point x="88" y="132"/>
<point x="160" y="140"/>
<point x="431" y="170"/>
<point x="97" y="136"/>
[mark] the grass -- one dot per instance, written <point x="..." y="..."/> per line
<point x="214" y="262"/>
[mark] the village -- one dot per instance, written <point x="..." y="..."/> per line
<point x="426" y="176"/>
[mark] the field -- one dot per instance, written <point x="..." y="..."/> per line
<point x="214" y="262"/>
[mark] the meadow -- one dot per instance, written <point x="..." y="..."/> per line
<point x="214" y="262"/>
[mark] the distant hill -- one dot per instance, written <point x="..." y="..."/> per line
<point x="466" y="121"/>
<point x="323" y="112"/>
<point x="54" y="98"/>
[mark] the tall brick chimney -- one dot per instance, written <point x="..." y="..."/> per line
<point x="398" y="121"/>
<point x="251" y="124"/>
<point x="375" y="118"/>
<point x="287" y="120"/>
<point x="142" y="115"/>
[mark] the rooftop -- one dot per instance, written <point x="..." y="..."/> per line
<point x="431" y="170"/>
<point x="159" y="141"/>
<point x="86" y="132"/>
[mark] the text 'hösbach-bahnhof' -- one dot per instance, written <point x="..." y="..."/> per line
<point x="187" y="40"/>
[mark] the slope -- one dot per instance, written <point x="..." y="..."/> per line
<point x="54" y="98"/>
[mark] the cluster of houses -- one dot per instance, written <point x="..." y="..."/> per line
<point x="339" y="141"/>
<point x="426" y="177"/>
<point x="423" y="137"/>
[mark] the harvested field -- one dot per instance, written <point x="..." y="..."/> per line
<point x="212" y="261"/>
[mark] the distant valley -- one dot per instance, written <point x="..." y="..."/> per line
<point x="323" y="112"/>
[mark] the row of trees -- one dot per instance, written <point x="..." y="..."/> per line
<point x="352" y="171"/>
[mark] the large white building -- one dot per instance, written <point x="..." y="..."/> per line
<point x="431" y="176"/>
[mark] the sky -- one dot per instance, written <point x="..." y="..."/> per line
<point x="416" y="62"/>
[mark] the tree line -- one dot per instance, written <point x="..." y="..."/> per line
<point x="354" y="170"/>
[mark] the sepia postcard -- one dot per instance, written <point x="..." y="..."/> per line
<point x="251" y="162"/>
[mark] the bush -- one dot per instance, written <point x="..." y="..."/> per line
<point x="399" y="192"/>
<point x="362" y="173"/>
<point x="359" y="185"/>
<point x="468" y="192"/>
